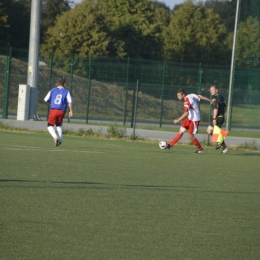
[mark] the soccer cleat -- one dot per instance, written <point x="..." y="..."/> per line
<point x="218" y="146"/>
<point x="225" y="151"/>
<point x="168" y="146"/>
<point x="199" y="151"/>
<point x="57" y="141"/>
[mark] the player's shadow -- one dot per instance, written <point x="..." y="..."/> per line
<point x="248" y="154"/>
<point x="93" y="185"/>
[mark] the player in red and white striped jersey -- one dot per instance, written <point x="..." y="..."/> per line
<point x="192" y="119"/>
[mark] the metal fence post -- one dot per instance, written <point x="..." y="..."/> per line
<point x="133" y="105"/>
<point x="126" y="88"/>
<point x="6" y="85"/>
<point x="89" y="84"/>
<point x="135" y="109"/>
<point x="50" y="78"/>
<point x="163" y="79"/>
<point x="200" y="79"/>
<point x="71" y="78"/>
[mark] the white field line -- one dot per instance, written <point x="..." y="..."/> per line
<point x="38" y="149"/>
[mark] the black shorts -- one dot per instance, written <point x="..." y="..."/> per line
<point x="219" y="123"/>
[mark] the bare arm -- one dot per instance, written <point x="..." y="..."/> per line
<point x="71" y="110"/>
<point x="185" y="114"/>
<point x="204" y="98"/>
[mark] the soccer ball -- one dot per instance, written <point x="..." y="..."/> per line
<point x="162" y="145"/>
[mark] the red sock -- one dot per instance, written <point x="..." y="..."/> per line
<point x="196" y="143"/>
<point x="175" y="139"/>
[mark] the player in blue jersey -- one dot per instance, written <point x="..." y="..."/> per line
<point x="59" y="99"/>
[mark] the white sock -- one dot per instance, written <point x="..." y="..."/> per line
<point x="52" y="131"/>
<point x="59" y="130"/>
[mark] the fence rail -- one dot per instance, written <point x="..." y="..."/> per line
<point x="105" y="88"/>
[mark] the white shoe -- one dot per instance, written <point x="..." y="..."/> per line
<point x="225" y="151"/>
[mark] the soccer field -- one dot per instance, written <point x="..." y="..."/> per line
<point x="113" y="199"/>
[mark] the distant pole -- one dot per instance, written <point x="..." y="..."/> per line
<point x="33" y="59"/>
<point x="231" y="79"/>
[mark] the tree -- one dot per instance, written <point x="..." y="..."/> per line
<point x="49" y="12"/>
<point x="18" y="23"/>
<point x="195" y="34"/>
<point x="83" y="30"/>
<point x="4" y="35"/>
<point x="162" y="13"/>
<point x="134" y="23"/>
<point x="226" y="11"/>
<point x="248" y="40"/>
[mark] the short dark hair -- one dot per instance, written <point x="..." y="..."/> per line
<point x="182" y="91"/>
<point x="61" y="82"/>
<point x="214" y="86"/>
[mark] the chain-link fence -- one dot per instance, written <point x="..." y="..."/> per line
<point x="104" y="88"/>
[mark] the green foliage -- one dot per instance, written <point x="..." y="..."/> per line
<point x="116" y="131"/>
<point x="248" y="40"/>
<point x="16" y="23"/>
<point x="195" y="34"/>
<point x="113" y="131"/>
<point x="135" y="24"/>
<point x="249" y="146"/>
<point x="226" y="11"/>
<point x="50" y="11"/>
<point x="4" y="35"/>
<point x="83" y="30"/>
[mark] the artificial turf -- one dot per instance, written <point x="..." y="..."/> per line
<point x="113" y="199"/>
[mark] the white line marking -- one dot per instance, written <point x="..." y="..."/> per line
<point x="40" y="149"/>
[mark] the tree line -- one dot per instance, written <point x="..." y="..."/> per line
<point x="194" y="31"/>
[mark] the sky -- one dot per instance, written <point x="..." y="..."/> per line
<point x="170" y="3"/>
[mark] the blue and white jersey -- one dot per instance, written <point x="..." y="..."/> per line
<point x="59" y="98"/>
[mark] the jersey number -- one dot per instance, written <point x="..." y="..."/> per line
<point x="57" y="100"/>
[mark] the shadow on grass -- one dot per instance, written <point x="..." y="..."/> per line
<point x="100" y="185"/>
<point x="97" y="183"/>
<point x="248" y="154"/>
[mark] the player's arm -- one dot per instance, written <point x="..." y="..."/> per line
<point x="71" y="109"/>
<point x="48" y="98"/>
<point x="204" y="98"/>
<point x="185" y="114"/>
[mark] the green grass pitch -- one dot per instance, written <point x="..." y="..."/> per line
<point x="114" y="199"/>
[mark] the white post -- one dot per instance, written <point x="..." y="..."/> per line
<point x="23" y="102"/>
<point x="228" y="125"/>
<point x="33" y="60"/>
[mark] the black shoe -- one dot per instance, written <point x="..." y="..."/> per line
<point x="218" y="146"/>
<point x="225" y="151"/>
<point x="199" y="151"/>
<point x="168" y="147"/>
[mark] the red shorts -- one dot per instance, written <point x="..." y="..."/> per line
<point x="192" y="126"/>
<point x="56" y="116"/>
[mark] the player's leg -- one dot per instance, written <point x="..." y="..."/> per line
<point x="220" y="122"/>
<point x="177" y="137"/>
<point x="184" y="127"/>
<point x="59" y="131"/>
<point x="50" y="126"/>
<point x="193" y="129"/>
<point x="60" y="116"/>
